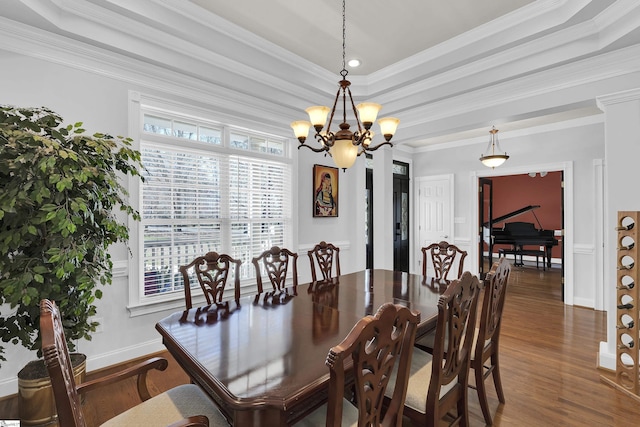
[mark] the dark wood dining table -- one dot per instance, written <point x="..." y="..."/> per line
<point x="262" y="359"/>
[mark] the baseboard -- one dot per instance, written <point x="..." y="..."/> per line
<point x="105" y="360"/>
<point x="9" y="387"/>
<point x="584" y="302"/>
<point x="606" y="360"/>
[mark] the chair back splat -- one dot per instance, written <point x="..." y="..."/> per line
<point x="326" y="256"/>
<point x="443" y="256"/>
<point x="276" y="262"/>
<point x="485" y="361"/>
<point x="212" y="272"/>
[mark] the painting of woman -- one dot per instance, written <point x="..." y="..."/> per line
<point x="325" y="191"/>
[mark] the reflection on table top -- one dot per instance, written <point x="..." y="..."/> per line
<point x="268" y="351"/>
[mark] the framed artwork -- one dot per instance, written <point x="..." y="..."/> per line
<point x="325" y="191"/>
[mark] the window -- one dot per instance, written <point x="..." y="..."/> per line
<point x="208" y="187"/>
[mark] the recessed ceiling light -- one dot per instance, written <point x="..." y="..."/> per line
<point x="353" y="63"/>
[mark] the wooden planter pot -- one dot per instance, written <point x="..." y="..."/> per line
<point x="36" y="404"/>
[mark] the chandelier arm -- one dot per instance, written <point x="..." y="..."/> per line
<point x="375" y="147"/>
<point x="317" y="150"/>
<point x="326" y="141"/>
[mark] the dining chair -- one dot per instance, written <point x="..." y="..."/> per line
<point x="184" y="405"/>
<point x="484" y="356"/>
<point x="376" y="346"/>
<point x="276" y="262"/>
<point x="443" y="256"/>
<point x="438" y="383"/>
<point x="212" y="272"/>
<point x="325" y="255"/>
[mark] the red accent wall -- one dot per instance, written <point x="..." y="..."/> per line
<point x="517" y="191"/>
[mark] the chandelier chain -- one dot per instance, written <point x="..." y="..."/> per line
<point x="344" y="145"/>
<point x="344" y="71"/>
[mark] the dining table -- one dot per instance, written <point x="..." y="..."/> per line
<point x="262" y="358"/>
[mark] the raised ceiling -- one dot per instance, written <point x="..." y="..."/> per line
<point x="378" y="32"/>
<point x="448" y="69"/>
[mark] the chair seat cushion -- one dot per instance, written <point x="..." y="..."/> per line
<point x="419" y="380"/>
<point x="319" y="416"/>
<point x="171" y="406"/>
<point x="475" y="342"/>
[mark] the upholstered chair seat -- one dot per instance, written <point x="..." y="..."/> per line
<point x="175" y="404"/>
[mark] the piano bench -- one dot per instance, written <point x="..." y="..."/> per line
<point x="527" y="252"/>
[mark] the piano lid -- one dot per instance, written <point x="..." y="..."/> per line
<point x="514" y="214"/>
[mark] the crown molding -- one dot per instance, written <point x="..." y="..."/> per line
<point x="516" y="133"/>
<point x="618" y="63"/>
<point x="618" y="98"/>
<point x="231" y="47"/>
<point x="520" y="24"/>
<point x="571" y="43"/>
<point x="29" y="41"/>
<point x="219" y="80"/>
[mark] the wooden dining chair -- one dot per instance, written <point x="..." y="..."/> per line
<point x="326" y="256"/>
<point x="185" y="405"/>
<point x="212" y="272"/>
<point x="484" y="356"/>
<point x="377" y="346"/>
<point x="438" y="383"/>
<point x="443" y="256"/>
<point x="275" y="262"/>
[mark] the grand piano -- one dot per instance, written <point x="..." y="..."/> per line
<point x="520" y="234"/>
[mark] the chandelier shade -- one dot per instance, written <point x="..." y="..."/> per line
<point x="344" y="145"/>
<point x="344" y="153"/>
<point x="493" y="156"/>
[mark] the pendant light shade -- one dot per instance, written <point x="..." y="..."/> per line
<point x="493" y="156"/>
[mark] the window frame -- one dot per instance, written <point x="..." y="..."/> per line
<point x="141" y="105"/>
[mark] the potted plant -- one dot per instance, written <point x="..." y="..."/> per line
<point x="61" y="190"/>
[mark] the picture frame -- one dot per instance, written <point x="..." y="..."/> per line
<point x="325" y="191"/>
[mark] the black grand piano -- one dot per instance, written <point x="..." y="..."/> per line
<point x="521" y="234"/>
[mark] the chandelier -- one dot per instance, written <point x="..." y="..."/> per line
<point x="493" y="157"/>
<point x="344" y="146"/>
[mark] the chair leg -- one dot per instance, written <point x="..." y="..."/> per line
<point x="463" y="409"/>
<point x="496" y="377"/>
<point x="482" y="394"/>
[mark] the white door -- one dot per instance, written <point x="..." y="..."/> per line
<point x="434" y="213"/>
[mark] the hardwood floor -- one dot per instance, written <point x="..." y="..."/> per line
<point x="548" y="365"/>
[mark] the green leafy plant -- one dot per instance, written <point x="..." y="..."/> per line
<point x="61" y="190"/>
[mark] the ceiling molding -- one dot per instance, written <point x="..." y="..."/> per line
<point x="520" y="24"/>
<point x="508" y="134"/>
<point x="15" y="37"/>
<point x="617" y="63"/>
<point x="531" y="54"/>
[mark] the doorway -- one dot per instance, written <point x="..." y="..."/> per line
<point x="485" y="209"/>
<point x="522" y="216"/>
<point x="368" y="228"/>
<point x="434" y="212"/>
<point x="401" y="216"/>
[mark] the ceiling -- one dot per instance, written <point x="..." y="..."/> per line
<point x="449" y="69"/>
<point x="378" y="32"/>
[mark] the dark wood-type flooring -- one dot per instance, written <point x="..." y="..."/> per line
<point x="548" y="359"/>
